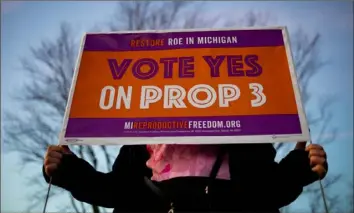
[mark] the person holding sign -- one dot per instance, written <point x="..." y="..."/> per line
<point x="188" y="178"/>
<point x="231" y="93"/>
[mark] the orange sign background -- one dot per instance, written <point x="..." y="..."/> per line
<point x="275" y="80"/>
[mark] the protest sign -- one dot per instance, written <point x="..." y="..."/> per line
<point x="185" y="87"/>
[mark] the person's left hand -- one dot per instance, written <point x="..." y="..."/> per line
<point x="318" y="157"/>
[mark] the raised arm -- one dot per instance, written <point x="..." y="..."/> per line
<point x="270" y="184"/>
<point x="90" y="186"/>
<point x="301" y="167"/>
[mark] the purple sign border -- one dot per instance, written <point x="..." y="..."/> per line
<point x="250" y="125"/>
<point x="121" y="42"/>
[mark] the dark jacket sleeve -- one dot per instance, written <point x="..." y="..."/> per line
<point x="101" y="189"/>
<point x="292" y="173"/>
<point x="271" y="184"/>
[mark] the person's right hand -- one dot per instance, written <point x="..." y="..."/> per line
<point x="53" y="158"/>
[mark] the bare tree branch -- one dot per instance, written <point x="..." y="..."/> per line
<point x="107" y="157"/>
<point x="308" y="64"/>
<point x="73" y="204"/>
<point x="49" y="70"/>
<point x="350" y="198"/>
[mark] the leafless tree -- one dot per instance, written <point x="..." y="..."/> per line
<point x="334" y="201"/>
<point x="49" y="70"/>
<point x="350" y="197"/>
<point x="308" y="64"/>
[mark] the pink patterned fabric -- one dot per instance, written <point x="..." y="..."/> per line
<point x="170" y="161"/>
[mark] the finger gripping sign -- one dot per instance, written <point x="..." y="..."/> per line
<point x="185" y="87"/>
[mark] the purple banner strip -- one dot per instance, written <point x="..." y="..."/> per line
<point x="207" y="39"/>
<point x="186" y="126"/>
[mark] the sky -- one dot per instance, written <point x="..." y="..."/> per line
<point x="26" y="24"/>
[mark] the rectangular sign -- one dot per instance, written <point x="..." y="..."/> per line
<point x="185" y="87"/>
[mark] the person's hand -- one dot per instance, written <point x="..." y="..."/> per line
<point x="318" y="157"/>
<point x="53" y="158"/>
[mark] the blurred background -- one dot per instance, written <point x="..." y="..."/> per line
<point x="39" y="45"/>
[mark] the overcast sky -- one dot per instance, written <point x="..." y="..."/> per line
<point x="25" y="24"/>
